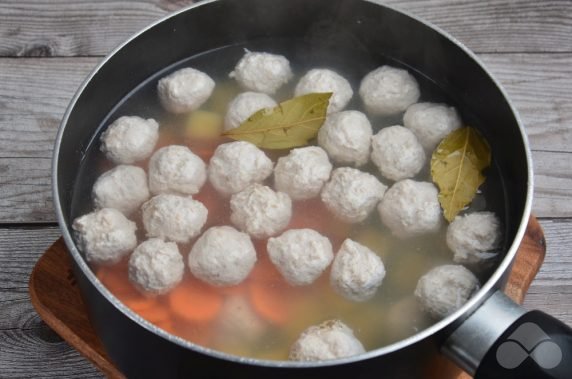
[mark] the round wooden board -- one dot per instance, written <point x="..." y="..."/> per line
<point x="58" y="301"/>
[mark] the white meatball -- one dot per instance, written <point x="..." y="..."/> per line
<point x="222" y="256"/>
<point x="236" y="165"/>
<point x="324" y="80"/>
<point x="129" y="139"/>
<point x="262" y="72"/>
<point x="397" y="153"/>
<point x="351" y="194"/>
<point x="357" y="272"/>
<point x="176" y="169"/>
<point x="245" y="105"/>
<point x="330" y="340"/>
<point x="238" y="322"/>
<point x="411" y="208"/>
<point x="474" y="238"/>
<point x="259" y="211"/>
<point x="105" y="236"/>
<point x="301" y="255"/>
<point x="445" y="289"/>
<point x="185" y="90"/>
<point x="302" y="173"/>
<point x="346" y="136"/>
<point x="388" y="90"/>
<point x="156" y="266"/>
<point x="173" y="217"/>
<point x="123" y="188"/>
<point x="431" y="122"/>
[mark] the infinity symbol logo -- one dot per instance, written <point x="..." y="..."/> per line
<point x="528" y="340"/>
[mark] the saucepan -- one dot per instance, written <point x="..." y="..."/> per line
<point x="490" y="336"/>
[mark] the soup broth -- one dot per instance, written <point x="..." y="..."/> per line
<point x="264" y="315"/>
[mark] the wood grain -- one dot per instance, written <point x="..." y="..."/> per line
<point x="37" y="28"/>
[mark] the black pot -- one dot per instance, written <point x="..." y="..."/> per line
<point x="472" y="336"/>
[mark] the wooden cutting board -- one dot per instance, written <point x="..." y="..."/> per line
<point x="57" y="299"/>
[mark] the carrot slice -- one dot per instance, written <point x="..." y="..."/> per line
<point x="194" y="301"/>
<point x="156" y="314"/>
<point x="269" y="293"/>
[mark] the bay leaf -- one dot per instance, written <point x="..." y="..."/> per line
<point x="456" y="167"/>
<point x="291" y="123"/>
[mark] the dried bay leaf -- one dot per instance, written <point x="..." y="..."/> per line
<point x="456" y="167"/>
<point x="290" y="124"/>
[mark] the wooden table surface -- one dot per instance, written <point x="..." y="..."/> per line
<point x="48" y="47"/>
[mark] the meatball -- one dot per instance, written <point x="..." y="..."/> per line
<point x="445" y="289"/>
<point x="351" y="194"/>
<point x="346" y="136"/>
<point x="259" y="211"/>
<point x="156" y="266"/>
<point x="176" y="169"/>
<point x="301" y="255"/>
<point x="105" y="236"/>
<point x="357" y="272"/>
<point x="330" y="340"/>
<point x="397" y="153"/>
<point x="474" y="238"/>
<point x="238" y="322"/>
<point x="123" y="187"/>
<point x="302" y="173"/>
<point x="185" y="90"/>
<point x="173" y="217"/>
<point x="388" y="90"/>
<point x="129" y="139"/>
<point x="245" y="105"/>
<point x="411" y="208"/>
<point x="236" y="165"/>
<point x="222" y="256"/>
<point x="262" y="72"/>
<point x="431" y="122"/>
<point x="324" y="80"/>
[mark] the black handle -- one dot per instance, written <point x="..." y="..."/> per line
<point x="535" y="346"/>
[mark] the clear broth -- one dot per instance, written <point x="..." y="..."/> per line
<point x="390" y="316"/>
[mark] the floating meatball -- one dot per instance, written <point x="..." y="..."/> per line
<point x="259" y="211"/>
<point x="301" y="255"/>
<point x="238" y="322"/>
<point x="176" y="169"/>
<point x="156" y="266"/>
<point x="445" y="289"/>
<point x="357" y="272"/>
<point x="431" y="122"/>
<point x="236" y="165"/>
<point x="302" y="173"/>
<point x="351" y="194"/>
<point x="123" y="187"/>
<point x="397" y="153"/>
<point x="388" y="90"/>
<point x="262" y="72"/>
<point x="324" y="80"/>
<point x="129" y="139"/>
<point x="330" y="340"/>
<point x="411" y="208"/>
<point x="474" y="238"/>
<point x="245" y="105"/>
<point x="173" y="217"/>
<point x="346" y="136"/>
<point x="185" y="90"/>
<point x="222" y="256"/>
<point x="105" y="236"/>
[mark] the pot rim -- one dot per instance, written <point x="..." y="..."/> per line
<point x="461" y="313"/>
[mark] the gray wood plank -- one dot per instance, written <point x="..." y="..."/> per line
<point x="71" y="28"/>
<point x="29" y="348"/>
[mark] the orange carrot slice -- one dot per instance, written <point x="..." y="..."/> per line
<point x="194" y="301"/>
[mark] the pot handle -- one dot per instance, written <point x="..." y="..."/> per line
<point x="503" y="340"/>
